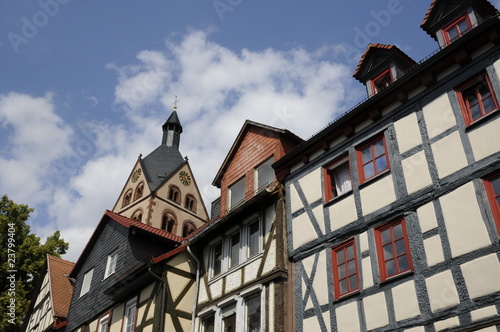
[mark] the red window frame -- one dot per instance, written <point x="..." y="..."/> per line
<point x="493" y="197"/>
<point x="375" y="86"/>
<point x="329" y="182"/>
<point x="374" y="158"/>
<point x="347" y="277"/>
<point x="455" y="25"/>
<point x="388" y="240"/>
<point x="473" y="86"/>
<point x="108" y="325"/>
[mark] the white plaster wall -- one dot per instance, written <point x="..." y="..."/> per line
<point x="405" y="301"/>
<point x="442" y="291"/>
<point x="433" y="250"/>
<point x="482" y="138"/>
<point x="438" y="116"/>
<point x="320" y="218"/>
<point x="270" y="262"/>
<point x="408" y="133"/>
<point x="482" y="276"/>
<point x="342" y="212"/>
<point x="233" y="280"/>
<point x="488" y="329"/>
<point x="363" y="242"/>
<point x="483" y="313"/>
<point x="320" y="283"/>
<point x="251" y="270"/>
<point x="427" y="217"/>
<point x="464" y="223"/>
<point x="295" y="202"/>
<point x="416" y="172"/>
<point x="416" y="329"/>
<point x="449" y="154"/>
<point x="496" y="65"/>
<point x="303" y="231"/>
<point x="202" y="293"/>
<point x="377" y="194"/>
<point x="347" y="318"/>
<point x="446" y="323"/>
<point x="311" y="186"/>
<point x="216" y="288"/>
<point x="366" y="270"/>
<point x="375" y="308"/>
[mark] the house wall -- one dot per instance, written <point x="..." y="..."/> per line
<point x="41" y="317"/>
<point x="133" y="252"/>
<point x="437" y="164"/>
<point x="258" y="145"/>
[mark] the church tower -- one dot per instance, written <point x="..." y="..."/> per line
<point x="161" y="190"/>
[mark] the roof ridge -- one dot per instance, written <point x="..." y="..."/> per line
<point x="62" y="260"/>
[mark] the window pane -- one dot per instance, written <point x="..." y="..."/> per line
<point x="350" y="252"/>
<point x="237" y="193"/>
<point x="352" y="267"/>
<point x="253" y="238"/>
<point x="390" y="267"/>
<point x="463" y="26"/>
<point x="218" y="258"/>
<point x="209" y="324"/>
<point x="452" y="33"/>
<point x="475" y="112"/>
<point x="386" y="236"/>
<point x="398" y="231"/>
<point x="488" y="104"/>
<point x="403" y="263"/>
<point x="353" y="282"/>
<point x="366" y="154"/>
<point x="388" y="251"/>
<point x="253" y="314"/>
<point x="340" y="256"/>
<point x="378" y="148"/>
<point x="368" y="170"/>
<point x="229" y="323"/>
<point x="341" y="179"/>
<point x="381" y="164"/>
<point x="265" y="174"/>
<point x="400" y="247"/>
<point x="235" y="249"/>
<point x="496" y="186"/>
<point x="343" y="286"/>
<point x="341" y="271"/>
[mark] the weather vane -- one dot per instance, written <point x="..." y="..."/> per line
<point x="175" y="103"/>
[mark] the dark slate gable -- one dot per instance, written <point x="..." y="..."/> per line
<point x="159" y="165"/>
<point x="135" y="249"/>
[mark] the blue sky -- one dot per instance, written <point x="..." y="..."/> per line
<point x="86" y="85"/>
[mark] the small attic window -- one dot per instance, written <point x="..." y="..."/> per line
<point x="456" y="29"/>
<point x="382" y="81"/>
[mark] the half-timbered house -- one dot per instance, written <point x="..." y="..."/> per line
<point x="393" y="209"/>
<point x="243" y="263"/>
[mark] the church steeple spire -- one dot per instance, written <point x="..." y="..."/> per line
<point x="172" y="129"/>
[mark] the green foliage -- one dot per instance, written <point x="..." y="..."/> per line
<point x="22" y="256"/>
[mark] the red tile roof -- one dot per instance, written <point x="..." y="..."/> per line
<point x="169" y="254"/>
<point x="127" y="222"/>
<point x="60" y="286"/>
<point x="428" y="14"/>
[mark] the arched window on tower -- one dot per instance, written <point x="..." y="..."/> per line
<point x="190" y="203"/>
<point x="188" y="228"/>
<point x="139" y="191"/>
<point x="127" y="198"/>
<point x="137" y="216"/>
<point x="168" y="222"/>
<point x="174" y="194"/>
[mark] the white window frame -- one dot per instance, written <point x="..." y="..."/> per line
<point x="266" y="163"/>
<point x="212" y="257"/>
<point x="246" y="235"/>
<point x="228" y="246"/>
<point x="103" y="320"/>
<point x="132" y="303"/>
<point x="86" y="283"/>
<point x="240" y="182"/>
<point x="111" y="264"/>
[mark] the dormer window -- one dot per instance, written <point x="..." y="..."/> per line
<point x="236" y="193"/>
<point x="382" y="81"/>
<point x="456" y="29"/>
<point x="264" y="174"/>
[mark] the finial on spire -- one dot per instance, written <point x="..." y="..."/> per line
<point x="175" y="103"/>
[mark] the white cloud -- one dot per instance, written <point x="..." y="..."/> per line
<point x="218" y="90"/>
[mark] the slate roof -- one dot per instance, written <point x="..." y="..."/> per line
<point x="127" y="223"/>
<point x="173" y="119"/>
<point x="160" y="164"/>
<point x="372" y="48"/>
<point x="60" y="286"/>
